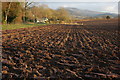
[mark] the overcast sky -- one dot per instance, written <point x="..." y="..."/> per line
<point x="94" y="5"/>
<point x="62" y="0"/>
<point x="111" y="7"/>
<point x="75" y="0"/>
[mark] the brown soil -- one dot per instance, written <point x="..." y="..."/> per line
<point x="89" y="51"/>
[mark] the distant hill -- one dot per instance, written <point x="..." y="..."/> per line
<point x="80" y="14"/>
<point x="105" y="14"/>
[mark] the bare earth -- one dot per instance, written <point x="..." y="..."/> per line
<point x="89" y="51"/>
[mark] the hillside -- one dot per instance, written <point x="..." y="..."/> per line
<point x="80" y="14"/>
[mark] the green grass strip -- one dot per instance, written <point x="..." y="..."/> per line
<point x="17" y="26"/>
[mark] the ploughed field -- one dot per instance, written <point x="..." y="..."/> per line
<point x="62" y="51"/>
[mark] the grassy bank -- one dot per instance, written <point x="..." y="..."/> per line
<point x="17" y="26"/>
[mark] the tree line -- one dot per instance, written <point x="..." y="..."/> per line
<point x="23" y="12"/>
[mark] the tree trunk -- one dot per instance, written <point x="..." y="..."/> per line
<point x="25" y="9"/>
<point x="7" y="12"/>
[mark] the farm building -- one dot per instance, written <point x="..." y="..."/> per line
<point x="42" y="20"/>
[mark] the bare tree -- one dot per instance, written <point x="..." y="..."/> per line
<point x="26" y="7"/>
